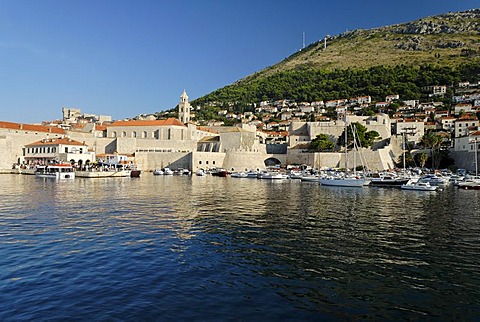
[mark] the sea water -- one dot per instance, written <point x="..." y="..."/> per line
<point x="210" y="248"/>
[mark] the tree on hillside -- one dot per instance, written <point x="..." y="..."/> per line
<point x="321" y="143"/>
<point x="364" y="138"/>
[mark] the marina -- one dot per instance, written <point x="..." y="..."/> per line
<point x="209" y="248"/>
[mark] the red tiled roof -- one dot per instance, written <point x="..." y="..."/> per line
<point x="31" y="127"/>
<point x="56" y="141"/>
<point x="167" y="122"/>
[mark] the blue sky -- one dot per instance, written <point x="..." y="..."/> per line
<point x="123" y="58"/>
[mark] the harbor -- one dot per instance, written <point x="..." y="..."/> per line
<point x="234" y="248"/>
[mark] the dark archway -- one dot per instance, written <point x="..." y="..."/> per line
<point x="271" y="162"/>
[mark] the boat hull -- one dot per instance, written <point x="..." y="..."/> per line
<point x="343" y="182"/>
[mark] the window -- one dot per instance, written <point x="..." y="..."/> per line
<point x="213" y="162"/>
<point x="66" y="149"/>
<point x="134" y="134"/>
<point x="114" y="134"/>
<point x="144" y="135"/>
<point x="199" y="162"/>
<point x="124" y="134"/>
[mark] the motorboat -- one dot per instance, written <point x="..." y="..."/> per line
<point x="157" y="172"/>
<point x="310" y="178"/>
<point x="200" y="172"/>
<point x="252" y="174"/>
<point x="435" y="180"/>
<point x="470" y="183"/>
<point x="167" y="171"/>
<point x="387" y="180"/>
<point x="55" y="171"/>
<point x="343" y="181"/>
<point x="219" y="172"/>
<point x="419" y="186"/>
<point x="240" y="174"/>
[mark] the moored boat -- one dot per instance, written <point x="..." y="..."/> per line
<point x="240" y="174"/>
<point x="419" y="186"/>
<point x="220" y="172"/>
<point x="387" y="180"/>
<point x="55" y="171"/>
<point x="343" y="182"/>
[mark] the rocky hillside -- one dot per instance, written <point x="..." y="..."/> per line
<point x="447" y="39"/>
<point x="398" y="59"/>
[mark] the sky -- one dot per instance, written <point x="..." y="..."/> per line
<point x="125" y="58"/>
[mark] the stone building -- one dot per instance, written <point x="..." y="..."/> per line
<point x="184" y="108"/>
<point x="59" y="150"/>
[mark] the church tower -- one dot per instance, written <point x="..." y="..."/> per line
<point x="184" y="108"/>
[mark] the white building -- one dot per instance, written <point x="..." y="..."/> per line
<point x="184" y="108"/>
<point x="58" y="149"/>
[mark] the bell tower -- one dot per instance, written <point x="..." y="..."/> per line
<point x="184" y="108"/>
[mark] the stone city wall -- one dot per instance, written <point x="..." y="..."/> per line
<point x="12" y="143"/>
<point x="149" y="161"/>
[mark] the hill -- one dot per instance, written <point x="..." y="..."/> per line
<point x="398" y="59"/>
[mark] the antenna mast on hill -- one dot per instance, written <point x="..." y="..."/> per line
<point x="303" y="41"/>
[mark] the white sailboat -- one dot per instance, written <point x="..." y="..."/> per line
<point x="344" y="180"/>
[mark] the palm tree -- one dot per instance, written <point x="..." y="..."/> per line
<point x="423" y="157"/>
<point x="432" y="141"/>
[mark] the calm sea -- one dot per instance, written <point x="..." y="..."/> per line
<point x="208" y="248"/>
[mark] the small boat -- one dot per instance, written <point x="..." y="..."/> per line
<point x="296" y="175"/>
<point x="240" y="174"/>
<point x="310" y="178"/>
<point x="220" y="172"/>
<point x="200" y="172"/>
<point x="419" y="186"/>
<point x="55" y="171"/>
<point x="157" y="172"/>
<point x="470" y="183"/>
<point x="279" y="176"/>
<point x="135" y="173"/>
<point x="435" y="180"/>
<point x="252" y="174"/>
<point x="167" y="171"/>
<point x="387" y="180"/>
<point x="341" y="181"/>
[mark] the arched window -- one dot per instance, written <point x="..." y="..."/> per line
<point x="134" y="134"/>
<point x="114" y="134"/>
<point x="144" y="135"/>
<point x="124" y="134"/>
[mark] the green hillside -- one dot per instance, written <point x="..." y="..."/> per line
<point x="398" y="59"/>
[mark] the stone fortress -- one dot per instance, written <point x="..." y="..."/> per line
<point x="178" y="143"/>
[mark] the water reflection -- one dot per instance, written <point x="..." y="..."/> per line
<point x="241" y="248"/>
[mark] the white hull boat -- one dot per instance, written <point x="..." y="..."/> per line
<point x="418" y="186"/>
<point x="343" y="182"/>
<point x="56" y="171"/>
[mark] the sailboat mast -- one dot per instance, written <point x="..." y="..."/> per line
<point x="403" y="141"/>
<point x="346" y="143"/>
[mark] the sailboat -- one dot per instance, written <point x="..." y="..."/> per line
<point x="344" y="180"/>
